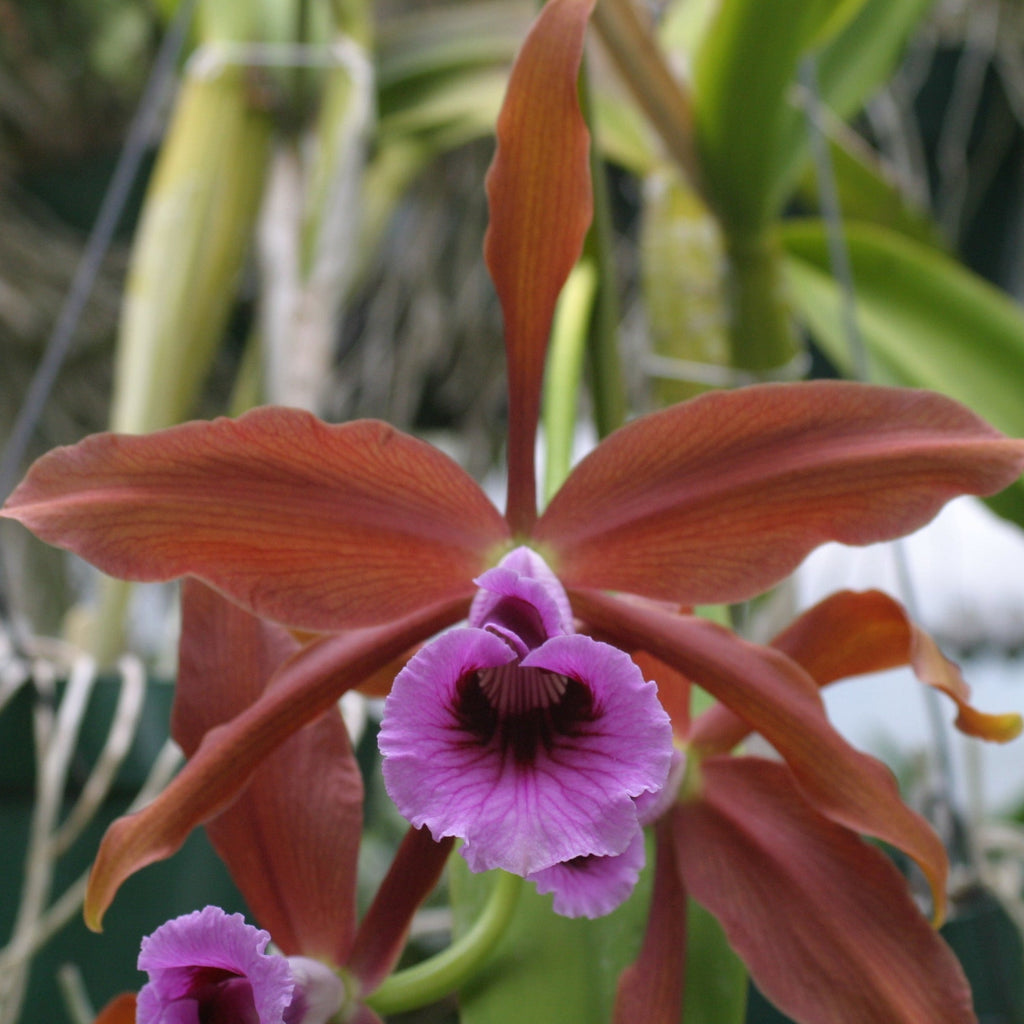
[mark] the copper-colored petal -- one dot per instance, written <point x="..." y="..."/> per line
<point x="120" y="1010"/>
<point x="226" y="657"/>
<point x="413" y="874"/>
<point x="540" y="207"/>
<point x="303" y="689"/>
<point x="824" y="921"/>
<point x="852" y="633"/>
<point x="314" y="525"/>
<point x="651" y="989"/>
<point x="291" y="840"/>
<point x="780" y="701"/>
<point x="718" y="498"/>
<point x="379" y="684"/>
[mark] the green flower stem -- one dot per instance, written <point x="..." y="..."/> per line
<point x="761" y="334"/>
<point x="564" y="368"/>
<point x="433" y="979"/>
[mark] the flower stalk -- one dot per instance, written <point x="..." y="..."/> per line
<point x="447" y="971"/>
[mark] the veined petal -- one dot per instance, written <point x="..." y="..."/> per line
<point x="292" y="848"/>
<point x="212" y="961"/>
<point x="304" y="688"/>
<point x="317" y="526"/>
<point x="781" y="702"/>
<point x="651" y="988"/>
<point x="850" y="634"/>
<point x="523" y="798"/>
<point x="593" y="886"/>
<point x="824" y="921"/>
<point x="540" y="207"/>
<point x="718" y="498"/>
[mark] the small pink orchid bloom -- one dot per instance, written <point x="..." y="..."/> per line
<point x="212" y="966"/>
<point x="377" y="539"/>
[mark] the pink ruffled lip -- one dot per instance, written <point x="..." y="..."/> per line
<point x="524" y="739"/>
<point x="213" y="966"/>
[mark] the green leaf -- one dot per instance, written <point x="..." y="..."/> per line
<point x="547" y="969"/>
<point x="716" y="980"/>
<point x="926" y="320"/>
<point x="852" y="66"/>
<point x="439" y="40"/>
<point x="744" y="69"/>
<point x="857" y="60"/>
<point x="867" y="193"/>
<point x="455" y="107"/>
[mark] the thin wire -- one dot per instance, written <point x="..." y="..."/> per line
<point x="115" y="199"/>
<point x="831" y="212"/>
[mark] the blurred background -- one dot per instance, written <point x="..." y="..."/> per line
<point x="356" y="205"/>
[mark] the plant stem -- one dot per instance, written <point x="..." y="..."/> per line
<point x="432" y="979"/>
<point x="761" y="334"/>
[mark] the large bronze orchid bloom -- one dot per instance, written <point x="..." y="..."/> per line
<point x="373" y="538"/>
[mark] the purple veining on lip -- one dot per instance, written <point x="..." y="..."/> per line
<point x="212" y="966"/>
<point x="527" y="740"/>
<point x="209" y="967"/>
<point x="593" y="886"/>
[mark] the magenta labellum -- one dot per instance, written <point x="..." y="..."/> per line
<point x="525" y="739"/>
<point x="593" y="886"/>
<point x="209" y="967"/>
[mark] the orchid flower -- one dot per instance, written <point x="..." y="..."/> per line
<point x="291" y="844"/>
<point x="380" y="542"/>
<point x="823" y="921"/>
<point x="212" y="966"/>
<point x="528" y="740"/>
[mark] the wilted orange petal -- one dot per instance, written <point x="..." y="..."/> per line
<point x="852" y="633"/>
<point x="120" y="1010"/>
<point x="540" y="207"/>
<point x="317" y="526"/>
<point x="781" y="702"/>
<point x="225" y="760"/>
<point x="716" y="499"/>
<point x="291" y="846"/>
<point x="651" y="989"/>
<point x="824" y="922"/>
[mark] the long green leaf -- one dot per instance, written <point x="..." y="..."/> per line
<point x="866" y="192"/>
<point x="436" y="40"/>
<point x="852" y="66"/>
<point x="926" y="320"/>
<point x="744" y="70"/>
